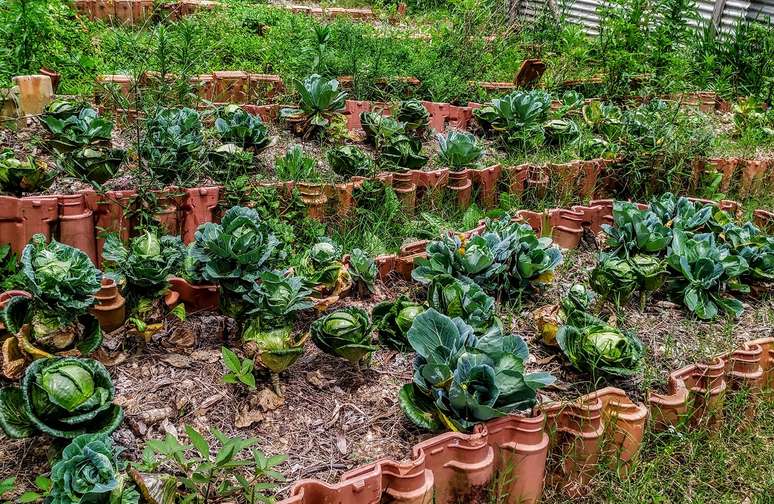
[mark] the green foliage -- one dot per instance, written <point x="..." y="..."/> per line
<point x="634" y="231"/>
<point x="348" y="161"/>
<point x="61" y="397"/>
<point x="240" y="370"/>
<point x="506" y="259"/>
<point x="393" y="319"/>
<point x="10" y="271"/>
<point x="414" y="116"/>
<point x="464" y="299"/>
<point x="89" y="470"/>
<point x="600" y="348"/>
<point x="173" y="144"/>
<point x="516" y="118"/>
<point x="62" y="281"/>
<point x="344" y="333"/>
<point x="297" y="166"/>
<point x="460" y="380"/>
<point x="236" y="126"/>
<point x="613" y="278"/>
<point x="86" y="128"/>
<point x="379" y="128"/>
<point x="145" y="265"/>
<point x="17" y="177"/>
<point x="459" y="150"/>
<point x="362" y="270"/>
<point x="93" y="164"/>
<point x="321" y="264"/>
<point x="402" y="152"/>
<point x="320" y="99"/>
<point x="234" y="253"/>
<point x="236" y="468"/>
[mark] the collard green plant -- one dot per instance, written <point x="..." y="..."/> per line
<point x="348" y="161"/>
<point x="320" y="99"/>
<point x="682" y="213"/>
<point x="235" y="126"/>
<point x="459" y="150"/>
<point x="61" y="397"/>
<point x="414" y="116"/>
<point x="144" y="266"/>
<point x="90" y="471"/>
<point x="93" y="164"/>
<point x="464" y="299"/>
<point x="506" y="259"/>
<point x="85" y="128"/>
<point x="173" y="143"/>
<point x="17" y="177"/>
<point x="600" y="348"/>
<point x="635" y="231"/>
<point x="516" y="118"/>
<point x="297" y="166"/>
<point x="362" y="270"/>
<point x="703" y="272"/>
<point x="234" y="253"/>
<point x="393" y="319"/>
<point x="273" y="305"/>
<point x="344" y="333"/>
<point x="603" y="119"/>
<point x="62" y="281"/>
<point x="461" y="380"/>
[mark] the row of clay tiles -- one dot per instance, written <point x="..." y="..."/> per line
<point x="80" y="219"/>
<point x="511" y="453"/>
<point x="136" y="11"/>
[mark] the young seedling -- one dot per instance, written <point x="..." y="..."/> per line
<point x="241" y="370"/>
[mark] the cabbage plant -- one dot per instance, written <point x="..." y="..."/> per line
<point x="235" y="126"/>
<point x="61" y="397"/>
<point x="517" y="118"/>
<point x="459" y="150"/>
<point x="362" y="271"/>
<point x="93" y="163"/>
<point x="600" y="348"/>
<point x="464" y="299"/>
<point x="414" y="116"/>
<point x="173" y="143"/>
<point x="401" y="152"/>
<point x="344" y="333"/>
<point x="85" y="128"/>
<point x="393" y="319"/>
<point x="348" y="161"/>
<point x="460" y="380"/>
<point x="62" y="282"/>
<point x="636" y="231"/>
<point x="272" y="307"/>
<point x="17" y="177"/>
<point x="233" y="254"/>
<point x="574" y="309"/>
<point x="561" y="131"/>
<point x="320" y="99"/>
<point x="613" y="278"/>
<point x="90" y="471"/>
<point x="380" y="128"/>
<point x="321" y="265"/>
<point x="143" y="267"/>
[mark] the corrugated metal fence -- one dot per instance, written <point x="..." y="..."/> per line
<point x="723" y="13"/>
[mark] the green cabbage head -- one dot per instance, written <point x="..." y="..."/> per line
<point x="345" y="333"/>
<point x="393" y="319"/>
<point x="61" y="397"/>
<point x="90" y="471"/>
<point x="600" y="348"/>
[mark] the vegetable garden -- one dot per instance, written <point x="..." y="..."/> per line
<point x="376" y="272"/>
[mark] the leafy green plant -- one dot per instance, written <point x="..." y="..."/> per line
<point x="402" y="152"/>
<point x="320" y="99"/>
<point x="233" y="254"/>
<point x="240" y="371"/>
<point x="90" y="470"/>
<point x="348" y="161"/>
<point x="17" y="177"/>
<point x="235" y="469"/>
<point x="86" y="128"/>
<point x="613" y="278"/>
<point x="62" y="109"/>
<point x="297" y="166"/>
<point x="143" y="268"/>
<point x="321" y="266"/>
<point x="703" y="271"/>
<point x="635" y="230"/>
<point x="10" y="270"/>
<point x="573" y="309"/>
<point x="273" y="305"/>
<point x="506" y="259"/>
<point x="173" y="143"/>
<point x="94" y="164"/>
<point x="62" y="282"/>
<point x="600" y="348"/>
<point x="236" y="126"/>
<point x="393" y="319"/>
<point x="464" y="299"/>
<point x="414" y="116"/>
<point x="560" y="132"/>
<point x="516" y="118"/>
<point x="459" y="150"/>
<point x="362" y="270"/>
<point x="344" y="333"/>
<point x="61" y="397"/>
<point x="379" y="128"/>
<point x="460" y="380"/>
